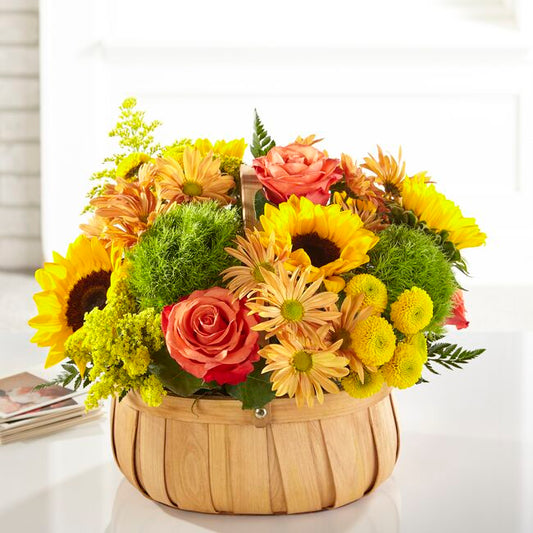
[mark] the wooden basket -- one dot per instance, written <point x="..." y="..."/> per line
<point x="210" y="456"/>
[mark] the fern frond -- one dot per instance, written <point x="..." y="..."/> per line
<point x="261" y="141"/>
<point x="70" y="374"/>
<point x="449" y="356"/>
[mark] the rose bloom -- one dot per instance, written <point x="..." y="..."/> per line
<point x="458" y="318"/>
<point x="209" y="334"/>
<point x="297" y="169"/>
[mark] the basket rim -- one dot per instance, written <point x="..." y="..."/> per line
<point x="224" y="410"/>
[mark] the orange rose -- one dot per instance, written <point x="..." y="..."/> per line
<point x="209" y="334"/>
<point x="297" y="169"/>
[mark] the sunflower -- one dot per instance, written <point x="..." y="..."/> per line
<point x="251" y="252"/>
<point x="352" y="312"/>
<point x="288" y="305"/>
<point x="440" y="214"/>
<point x="127" y="169"/>
<point x="234" y="148"/>
<point x="324" y="239"/>
<point x="387" y="171"/>
<point x="199" y="180"/>
<point x="301" y="371"/>
<point x="72" y="286"/>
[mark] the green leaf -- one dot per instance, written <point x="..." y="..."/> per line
<point x="449" y="356"/>
<point x="70" y="374"/>
<point x="172" y="376"/>
<point x="256" y="391"/>
<point x="261" y="141"/>
<point x="259" y="203"/>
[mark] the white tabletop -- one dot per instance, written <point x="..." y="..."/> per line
<point x="69" y="482"/>
<point x="466" y="460"/>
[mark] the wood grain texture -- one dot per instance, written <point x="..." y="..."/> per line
<point x="249" y="186"/>
<point x="187" y="466"/>
<point x="150" y="457"/>
<point x="397" y="423"/>
<point x="278" y="500"/>
<point x="125" y="440"/>
<point x="213" y="459"/>
<point x="229" y="411"/>
<point x="383" y="424"/>
<point x="219" y="469"/>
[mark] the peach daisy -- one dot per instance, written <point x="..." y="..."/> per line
<point x="200" y="178"/>
<point x="254" y="256"/>
<point x="124" y="211"/>
<point x="303" y="372"/>
<point x="352" y="312"/>
<point x="287" y="304"/>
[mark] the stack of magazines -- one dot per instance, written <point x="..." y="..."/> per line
<point x="27" y="411"/>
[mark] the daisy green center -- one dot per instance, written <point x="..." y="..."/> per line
<point x="192" y="188"/>
<point x="302" y="361"/>
<point x="257" y="273"/>
<point x="292" y="310"/>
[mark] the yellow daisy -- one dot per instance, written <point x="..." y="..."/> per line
<point x="373" y="340"/>
<point x="301" y="371"/>
<point x="324" y="239"/>
<point x="72" y="286"/>
<point x="373" y="290"/>
<point x="412" y="311"/>
<point x="199" y="180"/>
<point x="356" y="387"/>
<point x="352" y="312"/>
<point x="250" y="251"/>
<point x="289" y="305"/>
<point x="404" y="369"/>
<point x="440" y="214"/>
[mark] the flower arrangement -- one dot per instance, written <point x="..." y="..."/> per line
<point x="346" y="282"/>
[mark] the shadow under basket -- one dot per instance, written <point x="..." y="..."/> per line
<point x="212" y="456"/>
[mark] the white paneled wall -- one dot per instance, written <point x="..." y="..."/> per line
<point x="449" y="80"/>
<point x="20" y="242"/>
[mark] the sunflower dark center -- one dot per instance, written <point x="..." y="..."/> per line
<point x="132" y="172"/>
<point x="88" y="293"/>
<point x="321" y="251"/>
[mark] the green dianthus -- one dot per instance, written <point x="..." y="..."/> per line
<point x="406" y="257"/>
<point x="182" y="252"/>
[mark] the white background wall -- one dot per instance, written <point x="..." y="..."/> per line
<point x="20" y="224"/>
<point x="451" y="81"/>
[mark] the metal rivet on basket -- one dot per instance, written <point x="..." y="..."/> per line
<point x="261" y="412"/>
